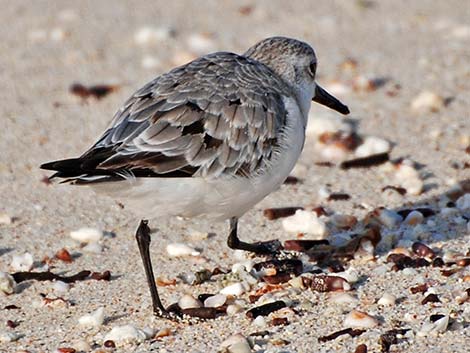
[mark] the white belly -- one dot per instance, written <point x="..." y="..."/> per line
<point x="217" y="199"/>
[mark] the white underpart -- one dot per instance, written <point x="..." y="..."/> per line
<point x="220" y="198"/>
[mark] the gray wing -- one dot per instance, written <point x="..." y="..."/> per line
<point x="220" y="114"/>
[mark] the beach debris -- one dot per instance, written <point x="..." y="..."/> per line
<point x="181" y="249"/>
<point x="280" y="212"/>
<point x="438" y="323"/>
<point x="280" y="321"/>
<point x="371" y="146"/>
<point x="87" y="235"/>
<point x="265" y="309"/>
<point x="236" y="344"/>
<point x="362" y="348"/>
<point x="430" y="298"/>
<point x="215" y="301"/>
<point x="22" y="262"/>
<point x="360" y="319"/>
<point x="96" y="91"/>
<point x="94" y="319"/>
<point x="235" y="289"/>
<point x="60" y="287"/>
<point x="305" y="222"/>
<point x="347" y="331"/>
<point x="366" y="162"/>
<point x="387" y="299"/>
<point x="427" y="101"/>
<point x="422" y="250"/>
<point x="63" y="255"/>
<point x="126" y="334"/>
<point x="390" y="337"/>
<point x="414" y="218"/>
<point x="463" y="202"/>
<point x="49" y="276"/>
<point x="408" y="177"/>
<point x="101" y="276"/>
<point x="338" y="196"/>
<point x="188" y="301"/>
<point x="326" y="283"/>
<point x="303" y="245"/>
<point x="7" y="283"/>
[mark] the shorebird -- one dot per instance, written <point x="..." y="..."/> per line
<point x="210" y="138"/>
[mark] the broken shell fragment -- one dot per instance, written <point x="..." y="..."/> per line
<point x="22" y="262"/>
<point x="87" y="235"/>
<point x="361" y="319"/>
<point x="180" y="249"/>
<point x="305" y="222"/>
<point x="126" y="334"/>
<point x="7" y="283"/>
<point x="95" y="319"/>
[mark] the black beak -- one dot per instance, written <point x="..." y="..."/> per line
<point x="326" y="99"/>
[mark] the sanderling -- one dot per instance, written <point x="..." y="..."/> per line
<point x="210" y="138"/>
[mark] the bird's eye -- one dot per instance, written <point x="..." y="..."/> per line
<point x="313" y="68"/>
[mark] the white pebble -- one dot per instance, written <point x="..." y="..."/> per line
<point x="463" y="202"/>
<point x="81" y="346"/>
<point x="427" y="101"/>
<point x="434" y="327"/>
<point x="236" y="344"/>
<point x="305" y="222"/>
<point x="387" y="299"/>
<point x="235" y="289"/>
<point x="215" y="301"/>
<point x="5" y="219"/>
<point x="150" y="35"/>
<point x="188" y="301"/>
<point x="351" y="275"/>
<point x="260" y="321"/>
<point x="60" y="287"/>
<point x="372" y="145"/>
<point x="95" y="319"/>
<point x="360" y="319"/>
<point x="126" y="334"/>
<point x="233" y="309"/>
<point x="7" y="283"/>
<point x="22" y="262"/>
<point x="326" y="122"/>
<point x="414" y="218"/>
<point x="343" y="298"/>
<point x="181" y="249"/>
<point x="7" y="337"/>
<point x="86" y="235"/>
<point x="409" y="178"/>
<point x="389" y="218"/>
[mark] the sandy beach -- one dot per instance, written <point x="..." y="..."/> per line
<point x="402" y="68"/>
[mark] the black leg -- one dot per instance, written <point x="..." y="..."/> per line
<point x="265" y="247"/>
<point x="143" y="240"/>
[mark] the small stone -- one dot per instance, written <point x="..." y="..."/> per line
<point x="235" y="289"/>
<point x="7" y="283"/>
<point x="236" y="344"/>
<point x="82" y="346"/>
<point x="414" y="218"/>
<point x="343" y="221"/>
<point x="343" y="298"/>
<point x="427" y="101"/>
<point x="87" y="235"/>
<point x="388" y="218"/>
<point x="95" y="319"/>
<point x="305" y="222"/>
<point x="126" y="334"/>
<point x="187" y="301"/>
<point x="22" y="262"/>
<point x="387" y="299"/>
<point x="215" y="301"/>
<point x="361" y="319"/>
<point x="260" y="321"/>
<point x="409" y="178"/>
<point x="5" y="219"/>
<point x="372" y="145"/>
<point x="181" y="249"/>
<point x="233" y="309"/>
<point x="439" y="325"/>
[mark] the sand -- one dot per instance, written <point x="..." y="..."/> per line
<point x="48" y="45"/>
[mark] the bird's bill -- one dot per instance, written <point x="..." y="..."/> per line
<point x="326" y="99"/>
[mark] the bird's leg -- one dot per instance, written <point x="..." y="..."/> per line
<point x="143" y="240"/>
<point x="265" y="247"/>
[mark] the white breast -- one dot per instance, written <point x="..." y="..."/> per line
<point x="217" y="199"/>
